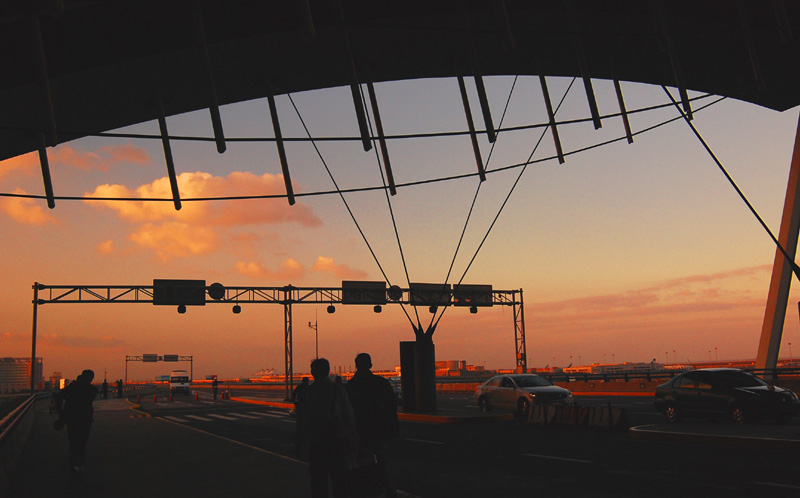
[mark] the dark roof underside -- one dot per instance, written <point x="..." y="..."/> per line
<point x="107" y="63"/>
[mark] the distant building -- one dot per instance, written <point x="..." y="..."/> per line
<point x="15" y="374"/>
<point x="616" y="368"/>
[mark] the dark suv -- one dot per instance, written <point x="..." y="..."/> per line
<point x="728" y="392"/>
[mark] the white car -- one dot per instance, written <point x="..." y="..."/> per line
<point x="517" y="392"/>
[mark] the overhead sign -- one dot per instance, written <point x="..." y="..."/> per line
<point x="176" y="292"/>
<point x="472" y="295"/>
<point x="170" y="357"/>
<point x="149" y="358"/>
<point x="429" y="294"/>
<point x="363" y="292"/>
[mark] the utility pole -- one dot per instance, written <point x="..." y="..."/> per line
<point x="316" y="335"/>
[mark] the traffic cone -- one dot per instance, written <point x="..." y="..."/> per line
<point x="137" y="398"/>
<point x="170" y="397"/>
<point x="195" y="396"/>
<point x="154" y="398"/>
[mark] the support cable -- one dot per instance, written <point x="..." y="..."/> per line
<point x="341" y="196"/>
<point x="389" y="203"/>
<point x="789" y="259"/>
<point x="508" y="196"/>
<point x="475" y="198"/>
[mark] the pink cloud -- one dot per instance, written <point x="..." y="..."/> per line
<point x="102" y="160"/>
<point x="26" y="163"/>
<point x="26" y="211"/>
<point x="328" y="265"/>
<point x="80" y="341"/>
<point x="104" y="248"/>
<point x="290" y="270"/>
<point x="204" y="185"/>
<point x="176" y="239"/>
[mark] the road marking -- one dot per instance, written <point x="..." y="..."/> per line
<point x="198" y="417"/>
<point x="274" y="415"/>
<point x="776" y="485"/>
<point x="424" y="441"/>
<point x="550" y="457"/>
<point x="176" y="419"/>
<point x="222" y="417"/>
<point x="242" y="415"/>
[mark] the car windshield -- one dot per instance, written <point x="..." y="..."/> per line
<point x="531" y="381"/>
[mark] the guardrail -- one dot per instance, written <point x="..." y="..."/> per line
<point x="14" y="429"/>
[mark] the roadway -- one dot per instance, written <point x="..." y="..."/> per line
<point x="207" y="447"/>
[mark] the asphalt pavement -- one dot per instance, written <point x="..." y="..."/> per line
<point x="134" y="455"/>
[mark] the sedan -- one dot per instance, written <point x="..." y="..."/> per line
<point x="728" y="392"/>
<point x="517" y="392"/>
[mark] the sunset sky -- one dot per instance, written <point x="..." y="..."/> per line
<point x="624" y="253"/>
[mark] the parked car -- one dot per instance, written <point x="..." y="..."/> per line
<point x="517" y="392"/>
<point x="714" y="392"/>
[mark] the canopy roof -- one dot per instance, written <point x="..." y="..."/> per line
<point x="78" y="67"/>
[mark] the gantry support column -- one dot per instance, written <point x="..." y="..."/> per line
<point x="775" y="313"/>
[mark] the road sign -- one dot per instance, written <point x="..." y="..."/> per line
<point x="363" y="292"/>
<point x="176" y="292"/>
<point x="149" y="358"/>
<point x="170" y="357"/>
<point x="429" y="294"/>
<point x="472" y="295"/>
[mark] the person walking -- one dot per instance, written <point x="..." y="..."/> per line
<point x="326" y="426"/>
<point x="76" y="414"/>
<point x="375" y="410"/>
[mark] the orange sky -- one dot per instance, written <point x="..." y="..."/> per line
<point x="628" y="252"/>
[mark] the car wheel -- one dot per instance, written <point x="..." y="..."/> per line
<point x="483" y="403"/>
<point x="672" y="413"/>
<point x="523" y="407"/>
<point x="737" y="414"/>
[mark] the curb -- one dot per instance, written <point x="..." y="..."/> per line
<point x="642" y="433"/>
<point x="276" y="404"/>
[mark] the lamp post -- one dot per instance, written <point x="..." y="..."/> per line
<point x="316" y="335"/>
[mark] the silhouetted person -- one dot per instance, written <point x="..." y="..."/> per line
<point x="320" y="409"/>
<point x="375" y="409"/>
<point x="298" y="391"/>
<point x="215" y="387"/>
<point x="105" y="389"/>
<point x="77" y="415"/>
<point x="119" y="388"/>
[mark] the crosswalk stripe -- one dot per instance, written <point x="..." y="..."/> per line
<point x="242" y="415"/>
<point x="222" y="417"/>
<point x="176" y="419"/>
<point x="198" y="417"/>
<point x="274" y="415"/>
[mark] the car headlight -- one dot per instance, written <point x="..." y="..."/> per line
<point x="532" y="395"/>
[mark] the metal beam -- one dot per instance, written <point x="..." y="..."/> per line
<point x="778" y="297"/>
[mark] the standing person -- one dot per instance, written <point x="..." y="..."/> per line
<point x="299" y="390"/>
<point x="105" y="389"/>
<point x="77" y="415"/>
<point x="324" y="419"/>
<point x="375" y="409"/>
<point x="119" y="388"/>
<point x="215" y="387"/>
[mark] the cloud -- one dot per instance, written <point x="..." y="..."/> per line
<point x="327" y="265"/>
<point x="205" y="185"/>
<point x="80" y="342"/>
<point x="26" y="211"/>
<point x="290" y="270"/>
<point x="104" y="248"/>
<point x="176" y="239"/>
<point x="26" y="163"/>
<point x="706" y="300"/>
<point x="102" y="160"/>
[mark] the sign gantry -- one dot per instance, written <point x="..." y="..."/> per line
<point x="183" y="293"/>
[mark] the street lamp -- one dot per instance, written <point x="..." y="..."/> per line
<point x="316" y="335"/>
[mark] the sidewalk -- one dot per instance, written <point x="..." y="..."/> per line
<point x="132" y="455"/>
